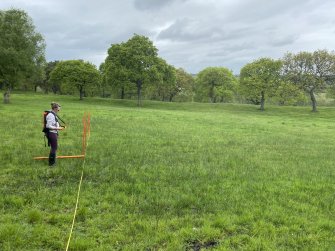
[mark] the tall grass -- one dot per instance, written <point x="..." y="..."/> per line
<point x="169" y="176"/>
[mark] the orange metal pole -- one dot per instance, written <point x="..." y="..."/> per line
<point x="86" y="130"/>
<point x="62" y="157"/>
<point x="89" y="124"/>
<point x="84" y="134"/>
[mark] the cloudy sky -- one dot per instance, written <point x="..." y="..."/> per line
<point x="191" y="34"/>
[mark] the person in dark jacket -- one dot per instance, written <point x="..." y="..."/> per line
<point x="53" y="125"/>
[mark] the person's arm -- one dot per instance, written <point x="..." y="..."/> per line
<point x="51" y="122"/>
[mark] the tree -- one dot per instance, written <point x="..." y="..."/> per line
<point x="289" y="94"/>
<point x="76" y="74"/>
<point x="47" y="85"/>
<point x="132" y="62"/>
<point x="115" y="69"/>
<point x="141" y="56"/>
<point x="166" y="85"/>
<point x="21" y="49"/>
<point x="185" y="85"/>
<point x="311" y="72"/>
<point x="216" y="83"/>
<point x="259" y="79"/>
<point x="105" y="90"/>
<point x="38" y="74"/>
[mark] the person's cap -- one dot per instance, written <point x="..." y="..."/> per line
<point x="55" y="105"/>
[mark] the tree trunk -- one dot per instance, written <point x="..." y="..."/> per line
<point x="311" y="93"/>
<point x="81" y="93"/>
<point x="139" y="88"/>
<point x="171" y="97"/>
<point x="122" y="93"/>
<point x="45" y="87"/>
<point x="6" y="97"/>
<point x="211" y="94"/>
<point x="262" y="100"/>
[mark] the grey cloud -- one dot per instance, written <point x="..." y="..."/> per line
<point x="88" y="41"/>
<point x="261" y="10"/>
<point x="189" y="34"/>
<point x="148" y="5"/>
<point x="283" y="40"/>
<point x="153" y="4"/>
<point x="188" y="30"/>
<point x="179" y="30"/>
<point x="229" y="49"/>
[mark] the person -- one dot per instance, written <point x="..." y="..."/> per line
<point x="53" y="125"/>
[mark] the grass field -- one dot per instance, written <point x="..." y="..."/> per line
<point x="169" y="176"/>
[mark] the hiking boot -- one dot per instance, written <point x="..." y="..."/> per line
<point x="52" y="159"/>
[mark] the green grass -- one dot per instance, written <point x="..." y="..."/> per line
<point x="169" y="176"/>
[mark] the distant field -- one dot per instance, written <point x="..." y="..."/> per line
<point x="169" y="176"/>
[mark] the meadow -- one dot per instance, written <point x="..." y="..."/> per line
<point x="168" y="176"/>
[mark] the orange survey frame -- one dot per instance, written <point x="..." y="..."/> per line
<point x="86" y="134"/>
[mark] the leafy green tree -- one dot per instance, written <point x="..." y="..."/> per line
<point x="76" y="74"/>
<point x="260" y="79"/>
<point x="38" y="74"/>
<point x="141" y="56"/>
<point x="47" y="85"/>
<point x="185" y="85"/>
<point x="216" y="83"/>
<point x="165" y="79"/>
<point x="104" y="85"/>
<point x="116" y="69"/>
<point x="289" y="94"/>
<point x="21" y="50"/>
<point x="330" y="92"/>
<point x="132" y="62"/>
<point x="311" y="72"/>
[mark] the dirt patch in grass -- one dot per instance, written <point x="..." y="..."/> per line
<point x="196" y="245"/>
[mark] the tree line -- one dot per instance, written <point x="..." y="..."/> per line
<point x="133" y="70"/>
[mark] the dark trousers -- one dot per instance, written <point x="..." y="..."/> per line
<point x="53" y="140"/>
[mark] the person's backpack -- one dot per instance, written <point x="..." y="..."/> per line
<point x="45" y="130"/>
<point x="45" y="114"/>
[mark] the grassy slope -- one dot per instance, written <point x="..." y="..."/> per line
<point x="169" y="177"/>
